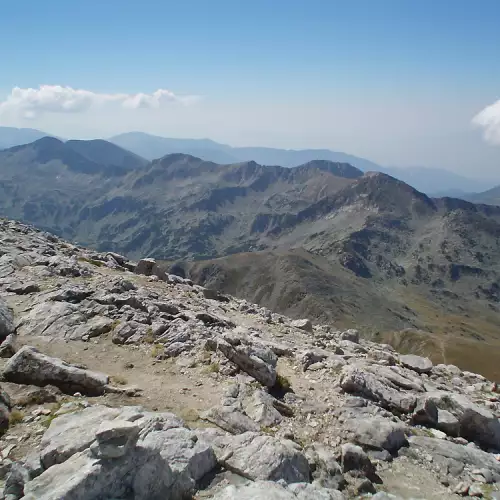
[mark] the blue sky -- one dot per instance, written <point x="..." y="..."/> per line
<point x="397" y="81"/>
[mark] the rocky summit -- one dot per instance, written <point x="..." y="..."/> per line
<point x="121" y="381"/>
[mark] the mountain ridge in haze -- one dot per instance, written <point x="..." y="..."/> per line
<point x="433" y="181"/>
<point x="430" y="180"/>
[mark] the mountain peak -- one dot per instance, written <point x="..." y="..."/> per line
<point x="339" y="169"/>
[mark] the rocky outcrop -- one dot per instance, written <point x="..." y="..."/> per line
<point x="358" y="381"/>
<point x="6" y="320"/>
<point x="257" y="361"/>
<point x="416" y="363"/>
<point x="29" y="366"/>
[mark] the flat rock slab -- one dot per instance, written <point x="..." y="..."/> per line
<point x="29" y="366"/>
<point x="418" y="364"/>
<point x="257" y="456"/>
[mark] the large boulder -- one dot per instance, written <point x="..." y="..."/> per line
<point x="455" y="456"/>
<point x="418" y="364"/>
<point x="145" y="266"/>
<point x="29" y="366"/>
<point x="267" y="490"/>
<point x="302" y="324"/>
<point x="54" y="318"/>
<point x="230" y="419"/>
<point x="476" y="423"/>
<point x="258" y="361"/>
<point x="6" y="320"/>
<point x="264" y="457"/>
<point x="359" y="381"/>
<point x="378" y="433"/>
<point x="126" y="453"/>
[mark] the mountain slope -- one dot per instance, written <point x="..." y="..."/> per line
<point x="107" y="153"/>
<point x="10" y="136"/>
<point x="192" y="208"/>
<point x="48" y="181"/>
<point x="322" y="239"/>
<point x="490" y="197"/>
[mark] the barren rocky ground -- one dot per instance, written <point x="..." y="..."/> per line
<point x="123" y="382"/>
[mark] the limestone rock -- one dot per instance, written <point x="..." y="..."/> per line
<point x="6" y="320"/>
<point x="426" y="413"/>
<point x="8" y="347"/>
<point x="130" y="332"/>
<point x="448" y="423"/>
<point x="257" y="456"/>
<point x="302" y="324"/>
<point x="258" y="361"/>
<point x="114" y="438"/>
<point x="260" y="408"/>
<point x="23" y="288"/>
<point x="449" y="452"/>
<point x="258" y="490"/>
<point x="358" y="381"/>
<point x="29" y="366"/>
<point x="416" y="363"/>
<point x="94" y="327"/>
<point x="230" y="419"/>
<point x="477" y="423"/>
<point x="379" y="433"/>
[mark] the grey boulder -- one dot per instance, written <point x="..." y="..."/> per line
<point x="29" y="366"/>
<point x="6" y="320"/>
<point x="358" y="381"/>
<point x="258" y="361"/>
<point x="302" y="324"/>
<point x="264" y="457"/>
<point x="230" y="419"/>
<point x="379" y="433"/>
<point x="418" y="364"/>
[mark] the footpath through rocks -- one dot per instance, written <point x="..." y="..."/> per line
<point x="122" y="382"/>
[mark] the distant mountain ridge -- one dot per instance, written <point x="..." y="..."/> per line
<point x="349" y="245"/>
<point x="425" y="179"/>
<point x="10" y="136"/>
<point x="433" y="181"/>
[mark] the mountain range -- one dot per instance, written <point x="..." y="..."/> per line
<point x="432" y="181"/>
<point x="323" y="240"/>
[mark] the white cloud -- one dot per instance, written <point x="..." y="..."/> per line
<point x="489" y="120"/>
<point x="31" y="102"/>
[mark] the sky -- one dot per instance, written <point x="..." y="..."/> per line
<point x="398" y="82"/>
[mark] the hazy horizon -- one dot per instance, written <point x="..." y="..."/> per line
<point x="397" y="83"/>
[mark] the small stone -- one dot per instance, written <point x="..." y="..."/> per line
<point x="475" y="490"/>
<point x="438" y="434"/>
<point x="461" y="488"/>
<point x="303" y="324"/>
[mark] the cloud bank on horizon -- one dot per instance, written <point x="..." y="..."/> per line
<point x="489" y="120"/>
<point x="32" y="102"/>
